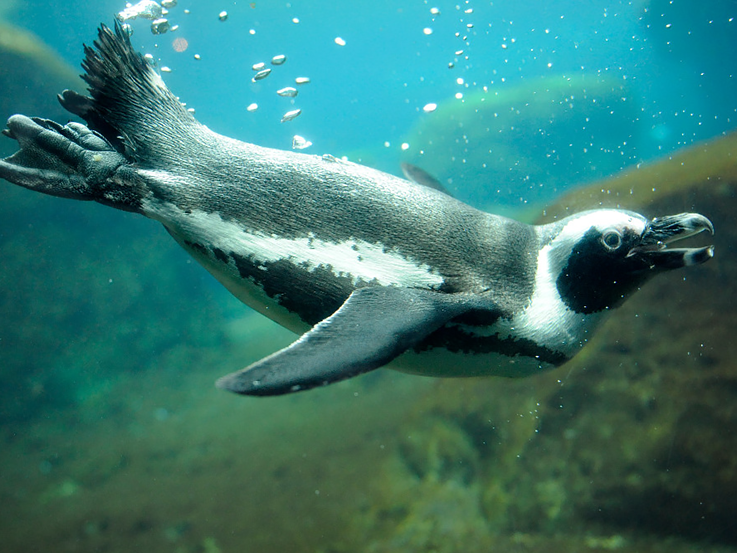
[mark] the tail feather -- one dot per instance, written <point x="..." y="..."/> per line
<point x="129" y="103"/>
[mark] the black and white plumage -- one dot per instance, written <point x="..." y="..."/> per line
<point x="373" y="269"/>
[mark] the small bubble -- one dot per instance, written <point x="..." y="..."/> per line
<point x="252" y="31"/>
<point x="278" y="60"/>
<point x="459" y="80"/>
<point x="165" y="69"/>
<point x="459" y="95"/>
<point x="427" y="30"/>
<point x="300" y="143"/>
<point x="429" y="108"/>
<point x="160" y="26"/>
<point x="261" y="75"/>
<point x="197" y="57"/>
<point x="387" y="144"/>
<point x="287" y="92"/>
<point x="288" y="116"/>
<point x="295" y="20"/>
<point x="252" y="107"/>
<point x="258" y="66"/>
<point x="469" y="26"/>
<point x="405" y="146"/>
<point x="435" y="11"/>
<point x="302" y="80"/>
<point x="223" y="15"/>
<point x="339" y="41"/>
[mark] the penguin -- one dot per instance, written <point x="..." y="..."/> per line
<point x="371" y="269"/>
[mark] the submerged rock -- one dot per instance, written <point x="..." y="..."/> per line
<point x="527" y="143"/>
<point x="31" y="77"/>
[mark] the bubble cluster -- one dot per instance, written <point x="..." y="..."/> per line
<point x="298" y="142"/>
<point x="153" y="11"/>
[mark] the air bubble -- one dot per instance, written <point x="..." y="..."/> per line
<point x="300" y="142"/>
<point x="287" y="92"/>
<point x="160" y="26"/>
<point x="288" y="116"/>
<point x="261" y="75"/>
<point x="147" y="9"/>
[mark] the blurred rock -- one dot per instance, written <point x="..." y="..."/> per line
<point x="31" y="75"/>
<point x="527" y="143"/>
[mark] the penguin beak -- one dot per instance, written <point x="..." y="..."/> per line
<point x="662" y="231"/>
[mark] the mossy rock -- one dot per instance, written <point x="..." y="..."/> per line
<point x="522" y="144"/>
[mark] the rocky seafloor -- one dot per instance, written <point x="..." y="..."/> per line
<point x="114" y="438"/>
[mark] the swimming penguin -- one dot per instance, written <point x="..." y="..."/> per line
<point x="371" y="269"/>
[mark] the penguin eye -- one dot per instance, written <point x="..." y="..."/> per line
<point x="611" y="240"/>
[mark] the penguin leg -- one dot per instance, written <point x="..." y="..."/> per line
<point x="372" y="327"/>
<point x="66" y="161"/>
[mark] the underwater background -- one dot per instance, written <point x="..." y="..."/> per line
<point x="113" y="437"/>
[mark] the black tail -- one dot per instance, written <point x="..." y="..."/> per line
<point x="129" y="104"/>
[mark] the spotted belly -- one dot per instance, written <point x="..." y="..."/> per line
<point x="297" y="282"/>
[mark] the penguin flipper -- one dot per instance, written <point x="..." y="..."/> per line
<point x="373" y="326"/>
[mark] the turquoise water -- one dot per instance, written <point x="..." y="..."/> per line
<point x="113" y="436"/>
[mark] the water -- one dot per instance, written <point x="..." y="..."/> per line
<point x="114" y="438"/>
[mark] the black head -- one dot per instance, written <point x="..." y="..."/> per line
<point x="600" y="257"/>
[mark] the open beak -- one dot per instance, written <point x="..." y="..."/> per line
<point x="662" y="231"/>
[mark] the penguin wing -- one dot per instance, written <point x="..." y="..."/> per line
<point x="373" y="326"/>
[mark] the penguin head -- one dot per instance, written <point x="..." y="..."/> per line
<point x="599" y="258"/>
